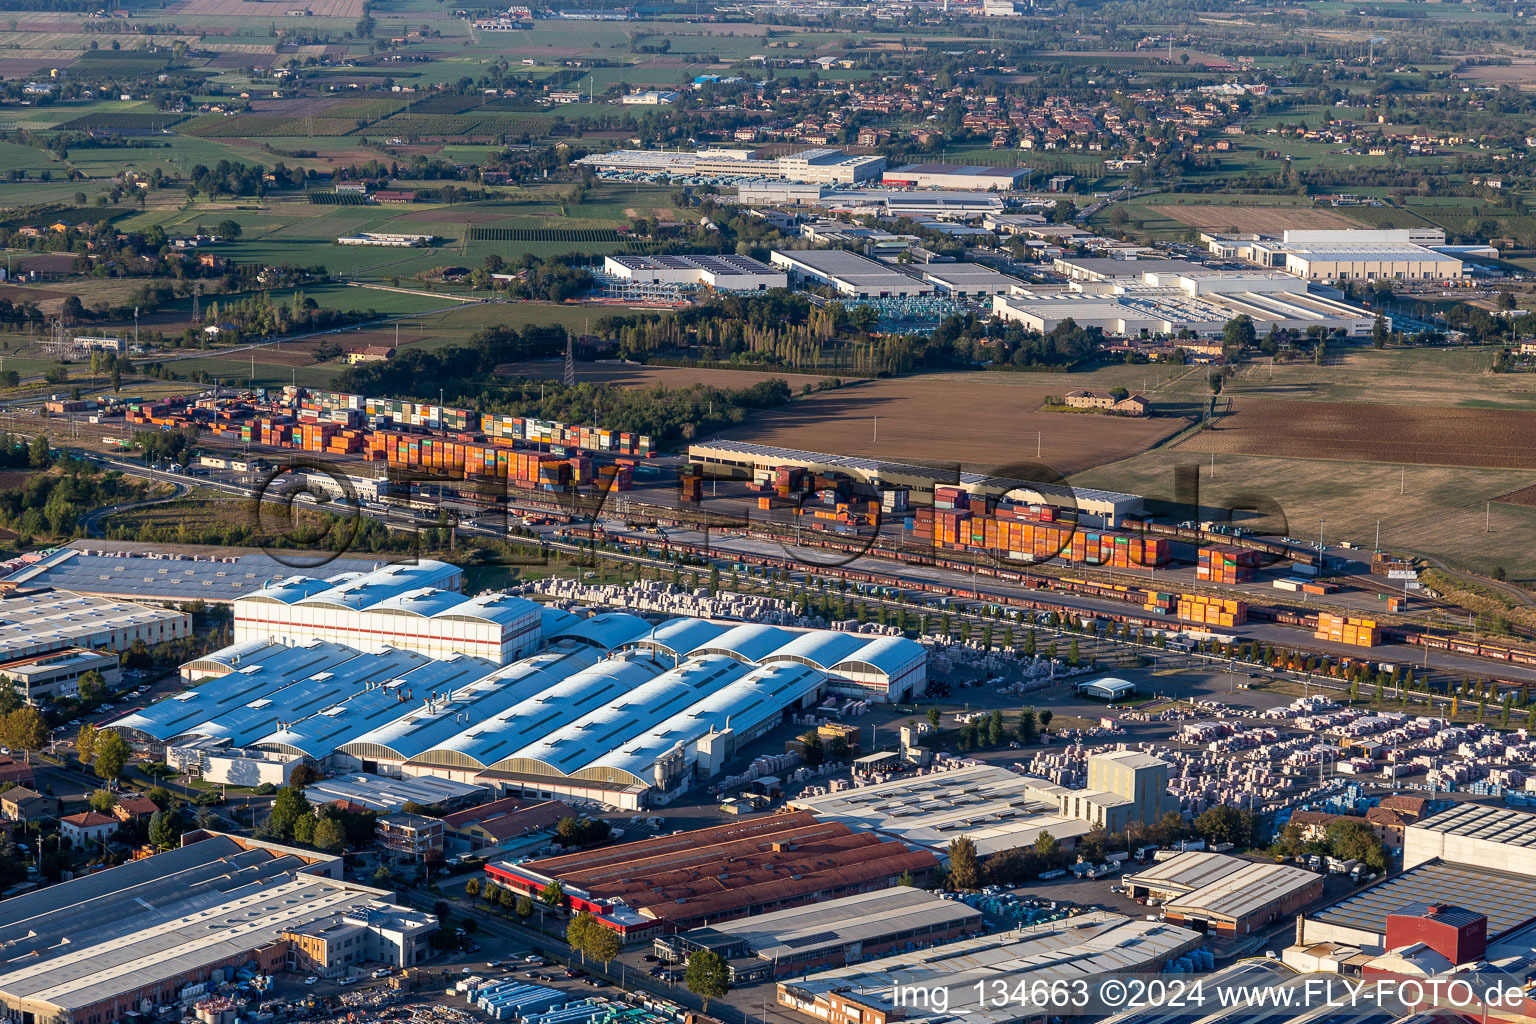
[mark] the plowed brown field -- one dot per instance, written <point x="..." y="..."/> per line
<point x="1418" y="435"/>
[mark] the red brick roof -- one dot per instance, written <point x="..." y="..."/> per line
<point x="1414" y="805"/>
<point x="737" y="868"/>
<point x="12" y="770"/>
<point x="88" y="819"/>
<point x="509" y="816"/>
<point x="136" y="806"/>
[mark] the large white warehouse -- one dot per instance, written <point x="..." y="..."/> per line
<point x="407" y="607"/>
<point x="1202" y="303"/>
<point x="610" y="709"/>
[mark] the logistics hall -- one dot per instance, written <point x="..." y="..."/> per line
<point x="608" y="708"/>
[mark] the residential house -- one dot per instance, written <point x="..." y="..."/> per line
<point x="133" y="807"/>
<point x="88" y="827"/>
<point x="23" y="804"/>
<point x="370" y="354"/>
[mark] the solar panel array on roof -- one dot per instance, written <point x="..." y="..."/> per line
<point x="1506" y="900"/>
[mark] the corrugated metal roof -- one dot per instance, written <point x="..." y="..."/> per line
<point x="750" y="642"/>
<point x="503" y="734"/>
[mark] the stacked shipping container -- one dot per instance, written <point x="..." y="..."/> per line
<point x="1035" y="538"/>
<point x="1342" y="629"/>
<point x="1211" y="611"/>
<point x="1227" y="565"/>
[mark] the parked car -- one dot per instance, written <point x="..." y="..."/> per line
<point x="311" y="980"/>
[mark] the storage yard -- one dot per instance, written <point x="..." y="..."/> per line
<point x="996" y="808"/>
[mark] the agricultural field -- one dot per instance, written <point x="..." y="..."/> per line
<point x="1444" y="377"/>
<point x="1411" y="434"/>
<point x="635" y="375"/>
<point x="1445" y="511"/>
<point x="1252" y="217"/>
<point x="971" y="418"/>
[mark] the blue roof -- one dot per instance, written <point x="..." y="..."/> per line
<point x="179" y="713"/>
<point x="435" y="720"/>
<point x="368" y="709"/>
<point x="502" y="735"/>
<point x="304" y="696"/>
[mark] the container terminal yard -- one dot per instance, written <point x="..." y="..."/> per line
<point x="947" y="533"/>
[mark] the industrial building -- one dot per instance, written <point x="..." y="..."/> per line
<point x="953" y="976"/>
<point x="829" y="167"/>
<point x="710" y="875"/>
<point x="35" y="621"/>
<point x="998" y="809"/>
<point x="725" y="273"/>
<point x="833" y="933"/>
<point x="162" y="578"/>
<point x="744" y="459"/>
<point x="1366" y="262"/>
<point x="955" y="176"/>
<point x="969" y="280"/>
<point x="1483" y="857"/>
<point x="1201" y="303"/>
<point x="823" y="166"/>
<point x="154" y="931"/>
<point x="406" y="607"/>
<point x="889" y="202"/>
<point x="594" y="715"/>
<point x="1105" y="269"/>
<point x="1407" y="254"/>
<point x="55" y="675"/>
<point x="851" y="274"/>
<point x="1221" y="894"/>
<point x="378" y="793"/>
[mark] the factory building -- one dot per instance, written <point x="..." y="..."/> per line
<point x="1405" y="254"/>
<point x="163" y="578"/>
<point x="958" y="979"/>
<point x="724" y="273"/>
<point x="55" y="675"/>
<point x="407" y="607"/>
<point x="1481" y="857"/>
<point x="1000" y="810"/>
<point x="969" y="280"/>
<point x="1365" y="262"/>
<point x="822" y="166"/>
<point x="1104" y="269"/>
<point x="851" y="274"/>
<point x="1201" y="303"/>
<point x="958" y="176"/>
<point x="722" y="873"/>
<point x="136" y="937"/>
<point x="743" y="459"/>
<point x="35" y="621"/>
<point x="1224" y="895"/>
<point x="610" y="710"/>
<point x="833" y="933"/>
<point x="829" y="167"/>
